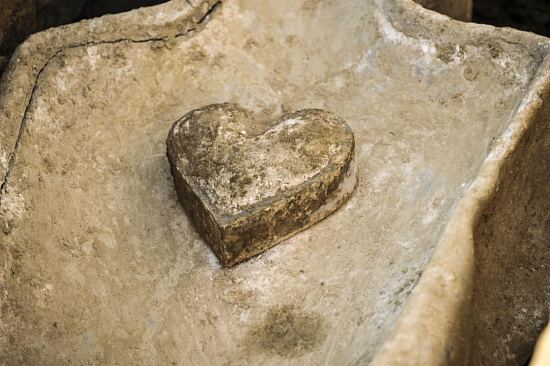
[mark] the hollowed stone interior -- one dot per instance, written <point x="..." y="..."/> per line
<point x="100" y="263"/>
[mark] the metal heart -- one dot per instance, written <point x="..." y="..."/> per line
<point x="247" y="191"/>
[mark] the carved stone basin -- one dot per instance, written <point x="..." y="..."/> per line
<point x="439" y="257"/>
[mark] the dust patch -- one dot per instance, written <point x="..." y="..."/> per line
<point x="287" y="331"/>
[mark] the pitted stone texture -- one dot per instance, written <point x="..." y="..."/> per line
<point x="247" y="190"/>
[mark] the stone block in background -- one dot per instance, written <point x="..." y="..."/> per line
<point x="457" y="9"/>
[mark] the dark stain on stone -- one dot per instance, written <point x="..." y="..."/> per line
<point x="445" y="52"/>
<point x="287" y="331"/>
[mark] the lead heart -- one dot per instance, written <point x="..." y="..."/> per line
<point x="247" y="191"/>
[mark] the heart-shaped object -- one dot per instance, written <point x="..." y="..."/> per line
<point x="247" y="191"/>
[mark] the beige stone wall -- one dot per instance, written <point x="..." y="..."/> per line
<point x="511" y="293"/>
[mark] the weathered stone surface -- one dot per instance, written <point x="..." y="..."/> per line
<point x="247" y="191"/>
<point x="100" y="265"/>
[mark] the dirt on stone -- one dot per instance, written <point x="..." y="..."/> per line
<point x="288" y="331"/>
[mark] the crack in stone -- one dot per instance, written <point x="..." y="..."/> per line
<point x="22" y="127"/>
<point x="210" y="11"/>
